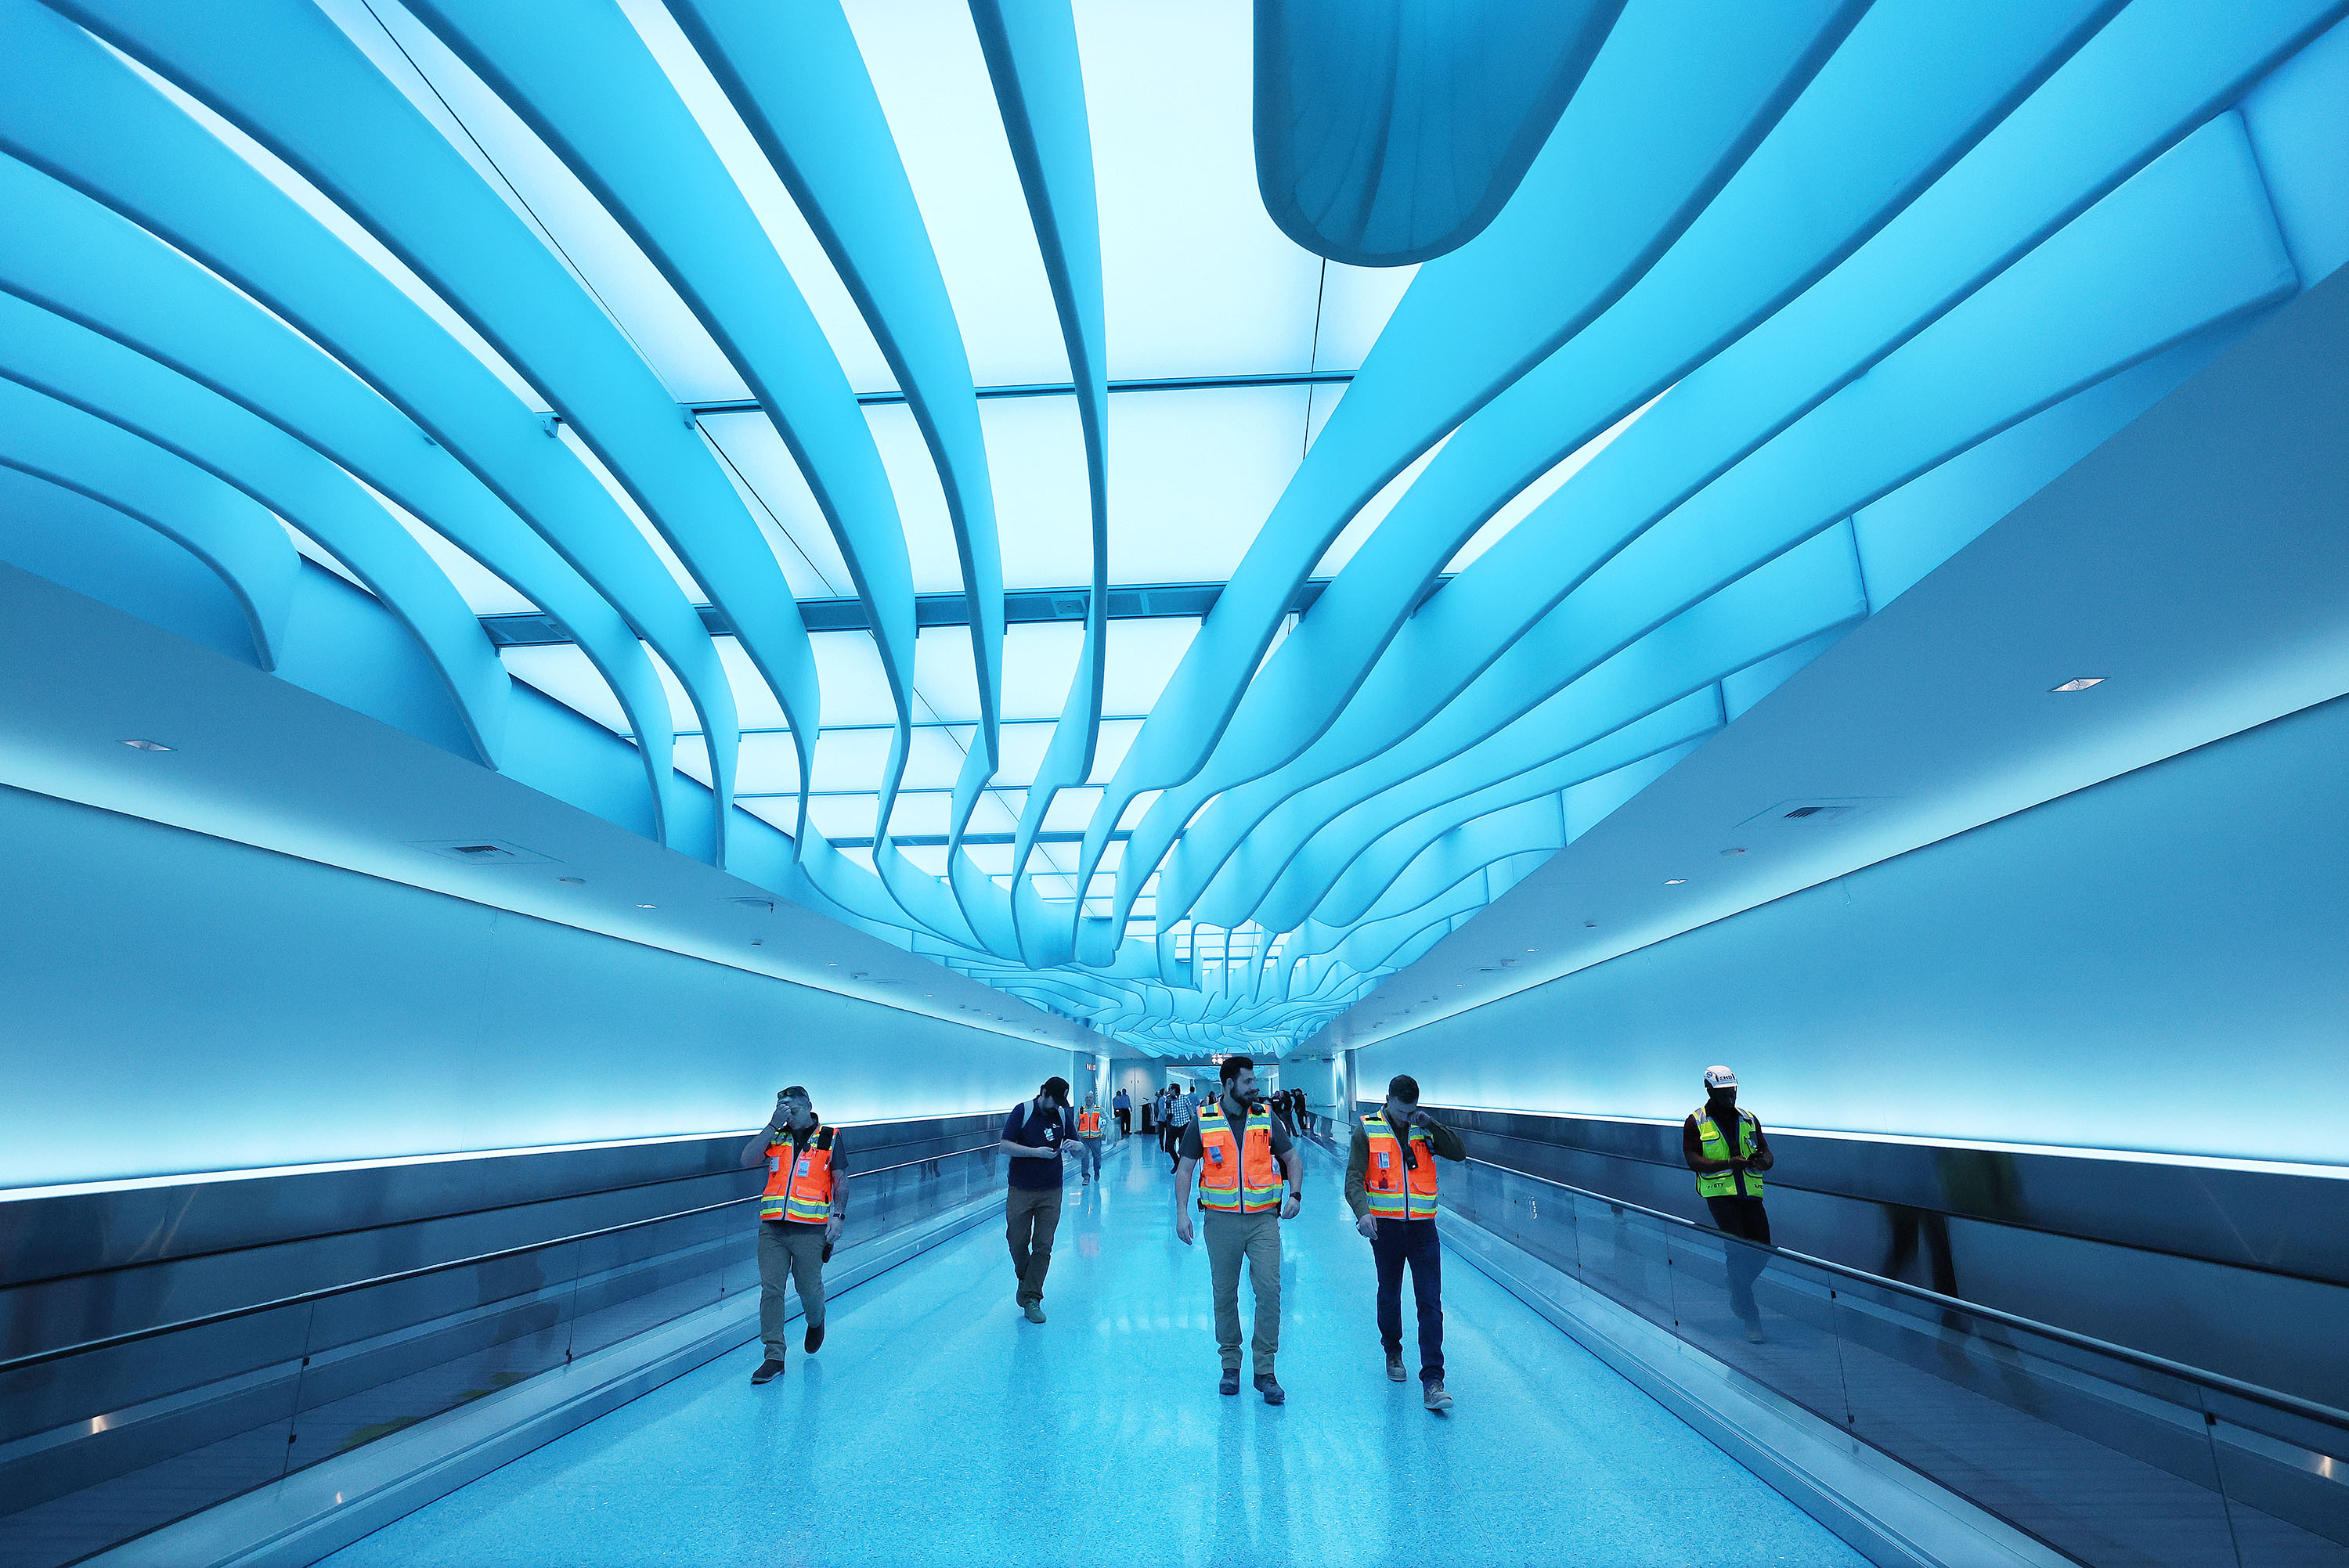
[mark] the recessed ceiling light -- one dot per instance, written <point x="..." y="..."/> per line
<point x="574" y="882"/>
<point x="1733" y="851"/>
<point x="647" y="906"/>
<point x="146" y="745"/>
<point x="2081" y="684"/>
<point x="1674" y="882"/>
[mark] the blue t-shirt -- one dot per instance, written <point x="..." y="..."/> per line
<point x="1037" y="1132"/>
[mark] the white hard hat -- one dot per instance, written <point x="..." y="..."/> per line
<point x="1720" y="1077"/>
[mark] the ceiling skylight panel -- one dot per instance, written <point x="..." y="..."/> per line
<point x="856" y="688"/>
<point x="1116" y="740"/>
<point x="934" y="759"/>
<point x="850" y="760"/>
<point x="346" y="228"/>
<point x="1355" y="304"/>
<point x="571" y="678"/>
<point x="921" y="500"/>
<point x="838" y="817"/>
<point x="537" y="184"/>
<point x="767" y="765"/>
<point x="803" y="253"/>
<point x="932" y="81"/>
<point x="1193" y="476"/>
<point x="1197" y="280"/>
<point x="1141" y="657"/>
<point x="753" y="700"/>
<point x="776" y="493"/>
<point x="1071" y="811"/>
<point x="1040" y="660"/>
<point x="946" y="674"/>
<point x="1043" y="500"/>
<point x="1020" y="751"/>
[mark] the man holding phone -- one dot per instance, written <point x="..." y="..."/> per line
<point x="1034" y="1134"/>
<point x="1391" y="1185"/>
<point x="799" y="1219"/>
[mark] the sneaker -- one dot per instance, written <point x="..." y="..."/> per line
<point x="1753" y="1332"/>
<point x="814" y="1341"/>
<point x="1231" y="1383"/>
<point x="768" y="1372"/>
<point x="1394" y="1369"/>
<point x="1437" y="1399"/>
<point x="1265" y="1386"/>
<point x="1035" y="1312"/>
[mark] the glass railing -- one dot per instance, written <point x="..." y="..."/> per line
<point x="278" y="1385"/>
<point x="2109" y="1456"/>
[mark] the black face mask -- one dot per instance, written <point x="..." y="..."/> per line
<point x="1722" y="1099"/>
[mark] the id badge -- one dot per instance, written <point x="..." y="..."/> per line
<point x="806" y="1165"/>
<point x="1214" y="1156"/>
<point x="1385" y="1160"/>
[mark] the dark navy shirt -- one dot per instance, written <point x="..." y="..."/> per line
<point x="1037" y="1132"/>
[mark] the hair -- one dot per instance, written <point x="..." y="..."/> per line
<point x="799" y="1090"/>
<point x="1055" y="1089"/>
<point x="1404" y="1088"/>
<point x="1235" y="1066"/>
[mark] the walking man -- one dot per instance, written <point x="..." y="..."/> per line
<point x="799" y="1219"/>
<point x="1033" y="1136"/>
<point x="1088" y="1141"/>
<point x="1390" y="1186"/>
<point x="1241" y="1156"/>
<point x="1728" y="1177"/>
<point x="1123" y="1103"/>
<point x="1182" y="1110"/>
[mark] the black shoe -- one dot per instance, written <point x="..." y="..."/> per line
<point x="1231" y="1383"/>
<point x="1394" y="1369"/>
<point x="814" y="1341"/>
<point x="768" y="1372"/>
<point x="1435" y="1398"/>
<point x="1270" y="1389"/>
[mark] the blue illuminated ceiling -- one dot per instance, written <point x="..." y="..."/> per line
<point x="904" y="429"/>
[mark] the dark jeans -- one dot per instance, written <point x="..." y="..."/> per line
<point x="1413" y="1242"/>
<point x="1745" y="1218"/>
<point x="1124" y="1123"/>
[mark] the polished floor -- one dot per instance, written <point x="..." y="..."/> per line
<point x="937" y="1425"/>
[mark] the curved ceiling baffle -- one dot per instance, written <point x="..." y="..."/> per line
<point x="1389" y="132"/>
<point x="794" y="75"/>
<point x="79" y="113"/>
<point x="1627" y="170"/>
<point x="1033" y="62"/>
<point x="1817" y="275"/>
<point x="285" y="75"/>
<point x="273" y="471"/>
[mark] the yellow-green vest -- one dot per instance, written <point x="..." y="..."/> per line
<point x="1714" y="1146"/>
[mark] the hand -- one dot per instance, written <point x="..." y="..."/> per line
<point x="1368" y="1225"/>
<point x="1421" y="1118"/>
<point x="1183" y="1226"/>
<point x="1288" y="1210"/>
<point x="832" y="1229"/>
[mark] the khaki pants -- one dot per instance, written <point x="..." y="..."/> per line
<point x="1031" y="1217"/>
<point x="792" y="1252"/>
<point x="1256" y="1238"/>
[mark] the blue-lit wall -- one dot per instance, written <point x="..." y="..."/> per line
<point x="2158" y="963"/>
<point x="171" y="1002"/>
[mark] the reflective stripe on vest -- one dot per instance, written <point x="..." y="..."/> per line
<point x="799" y="1189"/>
<point x="1089" y="1124"/>
<point x="1714" y="1146"/>
<point x="1397" y="1189"/>
<point x="1230" y="1180"/>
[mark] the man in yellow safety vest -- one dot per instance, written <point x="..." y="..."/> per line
<point x="1725" y="1147"/>
<point x="1241" y="1156"/>
<point x="799" y="1219"/>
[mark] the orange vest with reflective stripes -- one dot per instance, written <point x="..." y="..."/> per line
<point x="1237" y="1176"/>
<point x="1089" y="1124"/>
<point x="799" y="1189"/>
<point x="1399" y="1189"/>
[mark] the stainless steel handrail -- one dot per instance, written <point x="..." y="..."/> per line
<point x="2308" y="1409"/>
<point x="229" y="1315"/>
